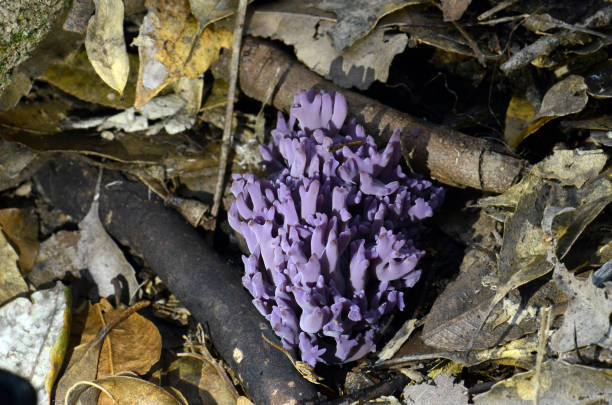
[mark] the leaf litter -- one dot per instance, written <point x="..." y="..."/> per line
<point x="32" y="338"/>
<point x="508" y="274"/>
<point x="89" y="248"/>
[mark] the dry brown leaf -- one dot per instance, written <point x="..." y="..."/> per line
<point x="125" y="390"/>
<point x="457" y="323"/>
<point x="38" y="117"/>
<point x="20" y="85"/>
<point x="11" y="281"/>
<point x="76" y="76"/>
<point x="167" y="50"/>
<point x="209" y="11"/>
<point x="190" y="90"/>
<point x="78" y="16"/>
<point x="560" y="383"/>
<point x="587" y="318"/>
<point x="296" y="24"/>
<point x="82" y="366"/>
<point x="358" y="17"/>
<point x="105" y="44"/>
<point x="20" y="225"/>
<point x="213" y="389"/>
<point x="135" y="345"/>
<point x="85" y="359"/>
<point x="57" y="256"/>
<point x="444" y="390"/>
<point x="568" y="96"/>
<point x="243" y="401"/>
<point x="184" y="374"/>
<point x="454" y="9"/>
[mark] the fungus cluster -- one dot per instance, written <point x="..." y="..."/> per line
<point x="331" y="232"/>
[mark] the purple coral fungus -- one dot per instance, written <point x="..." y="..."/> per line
<point x="331" y="232"/>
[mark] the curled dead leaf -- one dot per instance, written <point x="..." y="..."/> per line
<point x="124" y="390"/>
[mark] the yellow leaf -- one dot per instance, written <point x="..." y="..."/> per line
<point x="105" y="44"/>
<point x="170" y="48"/>
<point x="124" y="390"/>
<point x="518" y="114"/>
<point x="75" y="75"/>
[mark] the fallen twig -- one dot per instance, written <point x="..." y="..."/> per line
<point x="229" y="109"/>
<point x="545" y="45"/>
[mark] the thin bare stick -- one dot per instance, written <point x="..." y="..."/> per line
<point x="472" y="44"/>
<point x="500" y="6"/>
<point x="542" y="338"/>
<point x="229" y="110"/>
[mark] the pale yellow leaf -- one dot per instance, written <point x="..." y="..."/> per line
<point x="105" y="44"/>
<point x="171" y="46"/>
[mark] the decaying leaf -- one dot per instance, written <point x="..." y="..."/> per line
<point x="19" y="86"/>
<point x="76" y="76"/>
<point x="20" y="225"/>
<point x="424" y="27"/>
<point x="587" y="318"/>
<point x="599" y="80"/>
<point x="105" y="44"/>
<point x="573" y="167"/>
<point x="82" y="366"/>
<point x="184" y="374"/>
<point x="33" y="118"/>
<point x="452" y="10"/>
<point x="30" y="331"/>
<point x="104" y="259"/>
<point x="11" y="281"/>
<point x="357" y="18"/>
<point x="125" y="390"/>
<point x="78" y="16"/>
<point x="209" y="11"/>
<point x="134" y="346"/>
<point x="401" y="336"/>
<point x="89" y="248"/>
<point x="190" y="91"/>
<point x="456" y="324"/>
<point x="566" y="97"/>
<point x="443" y="391"/>
<point x="167" y="50"/>
<point x="212" y="387"/>
<point x="560" y="383"/>
<point x="297" y="24"/>
<point x="16" y="164"/>
<point x="519" y="113"/>
<point x="83" y="363"/>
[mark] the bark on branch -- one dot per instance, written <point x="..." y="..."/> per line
<point x="446" y="155"/>
<point x="206" y="283"/>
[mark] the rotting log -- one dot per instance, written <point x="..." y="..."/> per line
<point x="203" y="281"/>
<point x="446" y="155"/>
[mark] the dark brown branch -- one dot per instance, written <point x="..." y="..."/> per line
<point x="207" y="284"/>
<point x="448" y="156"/>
